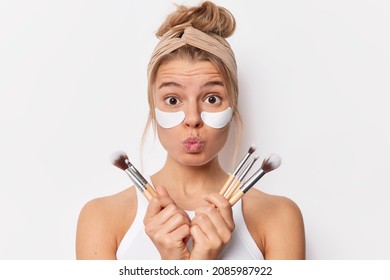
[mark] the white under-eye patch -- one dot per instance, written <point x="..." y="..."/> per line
<point x="217" y="119"/>
<point x="169" y="119"/>
<point x="213" y="119"/>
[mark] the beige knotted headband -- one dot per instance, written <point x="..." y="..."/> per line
<point x="176" y="38"/>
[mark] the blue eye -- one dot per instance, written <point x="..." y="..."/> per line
<point x="172" y="100"/>
<point x="213" y="99"/>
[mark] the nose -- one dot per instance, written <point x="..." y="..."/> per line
<point x="192" y="118"/>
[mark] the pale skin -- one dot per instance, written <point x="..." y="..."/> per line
<point x="191" y="179"/>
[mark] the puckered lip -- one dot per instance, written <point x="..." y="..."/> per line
<point x="193" y="140"/>
<point x="193" y="144"/>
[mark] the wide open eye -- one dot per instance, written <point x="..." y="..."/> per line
<point x="213" y="99"/>
<point x="171" y="100"/>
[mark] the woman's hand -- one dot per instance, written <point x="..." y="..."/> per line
<point x="211" y="228"/>
<point x="167" y="226"/>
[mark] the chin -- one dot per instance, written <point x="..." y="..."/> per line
<point x="195" y="159"/>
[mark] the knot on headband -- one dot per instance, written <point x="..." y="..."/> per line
<point x="177" y="37"/>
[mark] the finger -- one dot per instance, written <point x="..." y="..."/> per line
<point x="181" y="233"/>
<point x="175" y="222"/>
<point x="208" y="229"/>
<point x="172" y="237"/>
<point x="157" y="219"/>
<point x="223" y="206"/>
<point x="167" y="200"/>
<point x="199" y="237"/>
<point x="157" y="203"/>
<point x="215" y="228"/>
<point x="220" y="226"/>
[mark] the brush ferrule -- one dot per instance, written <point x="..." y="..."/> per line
<point x="136" y="172"/>
<point x="252" y="180"/>
<point x="242" y="162"/>
<point x="138" y="175"/>
<point x="137" y="182"/>
<point x="246" y="170"/>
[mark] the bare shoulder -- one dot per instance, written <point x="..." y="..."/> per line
<point x="276" y="224"/>
<point x="102" y="224"/>
<point x="111" y="208"/>
<point x="270" y="207"/>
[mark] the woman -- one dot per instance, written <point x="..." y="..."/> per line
<point x="193" y="92"/>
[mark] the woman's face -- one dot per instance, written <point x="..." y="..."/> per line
<point x="193" y="111"/>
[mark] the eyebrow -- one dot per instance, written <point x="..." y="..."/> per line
<point x="170" y="84"/>
<point x="206" y="85"/>
<point x="213" y="83"/>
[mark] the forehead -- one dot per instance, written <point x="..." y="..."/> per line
<point x="188" y="70"/>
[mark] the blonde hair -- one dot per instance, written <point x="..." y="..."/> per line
<point x="214" y="21"/>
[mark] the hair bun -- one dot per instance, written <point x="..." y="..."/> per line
<point x="206" y="17"/>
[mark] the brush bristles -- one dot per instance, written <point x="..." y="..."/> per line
<point x="271" y="163"/>
<point x="119" y="160"/>
<point x="252" y="148"/>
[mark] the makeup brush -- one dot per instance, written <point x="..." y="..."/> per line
<point x="269" y="164"/>
<point x="120" y="160"/>
<point x="232" y="189"/>
<point x="251" y="149"/>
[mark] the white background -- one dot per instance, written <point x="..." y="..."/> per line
<point x="314" y="76"/>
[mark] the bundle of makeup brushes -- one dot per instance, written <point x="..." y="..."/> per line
<point x="233" y="189"/>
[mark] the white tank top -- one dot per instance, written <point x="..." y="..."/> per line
<point x="136" y="245"/>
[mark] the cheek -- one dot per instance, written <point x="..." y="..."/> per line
<point x="167" y="137"/>
<point x="219" y="137"/>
